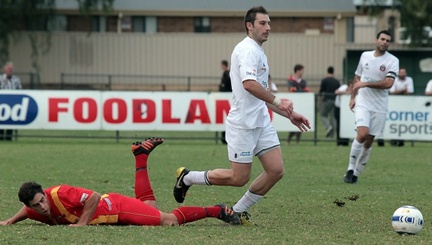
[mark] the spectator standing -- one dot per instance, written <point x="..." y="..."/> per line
<point x="403" y="85"/>
<point x="225" y="86"/>
<point x="297" y="84"/>
<point x="8" y="81"/>
<point x="327" y="91"/>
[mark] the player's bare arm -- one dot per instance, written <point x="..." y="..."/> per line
<point x="19" y="216"/>
<point x="297" y="119"/>
<point x="354" y="92"/>
<point x="89" y="209"/>
<point x="384" y="84"/>
<point x="258" y="91"/>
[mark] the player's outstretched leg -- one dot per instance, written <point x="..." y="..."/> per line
<point x="146" y="146"/>
<point x="186" y="214"/>
<point x="180" y="188"/>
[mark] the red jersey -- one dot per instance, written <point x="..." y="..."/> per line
<point x="67" y="203"/>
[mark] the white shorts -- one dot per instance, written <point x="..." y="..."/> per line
<point x="244" y="144"/>
<point x="375" y="121"/>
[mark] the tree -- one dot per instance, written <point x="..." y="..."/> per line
<point x="17" y="16"/>
<point x="414" y="17"/>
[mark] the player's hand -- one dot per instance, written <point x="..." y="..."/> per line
<point x="77" y="225"/>
<point x="352" y="104"/>
<point x="286" y="105"/>
<point x="5" y="222"/>
<point x="300" y="121"/>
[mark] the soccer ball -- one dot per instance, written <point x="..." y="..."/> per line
<point x="407" y="220"/>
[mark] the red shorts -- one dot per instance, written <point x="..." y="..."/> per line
<point x="132" y="211"/>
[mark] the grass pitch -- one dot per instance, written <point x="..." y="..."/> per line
<point x="300" y="209"/>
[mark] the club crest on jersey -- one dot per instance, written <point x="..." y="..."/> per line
<point x="382" y="68"/>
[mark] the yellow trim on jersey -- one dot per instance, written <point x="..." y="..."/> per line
<point x="102" y="219"/>
<point x="67" y="215"/>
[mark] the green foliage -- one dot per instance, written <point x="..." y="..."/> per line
<point x="415" y="15"/>
<point x="35" y="15"/>
<point x="300" y="209"/>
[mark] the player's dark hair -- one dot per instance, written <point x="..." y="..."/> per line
<point x="225" y="63"/>
<point x="330" y="70"/>
<point x="298" y="67"/>
<point x="383" y="32"/>
<point x="27" y="192"/>
<point x="251" y="15"/>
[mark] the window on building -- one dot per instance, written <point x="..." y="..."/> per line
<point x="202" y="24"/>
<point x="138" y="24"/>
<point x="328" y="23"/>
<point x="58" y="23"/>
<point x="95" y="24"/>
<point x="151" y="24"/>
<point x="350" y="30"/>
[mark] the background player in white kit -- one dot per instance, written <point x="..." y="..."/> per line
<point x="249" y="131"/>
<point x="375" y="75"/>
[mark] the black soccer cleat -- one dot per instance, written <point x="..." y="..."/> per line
<point x="146" y="146"/>
<point x="180" y="189"/>
<point x="227" y="215"/>
<point x="348" y="176"/>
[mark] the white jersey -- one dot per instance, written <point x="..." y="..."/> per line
<point x="399" y="84"/>
<point x="375" y="69"/>
<point x="248" y="62"/>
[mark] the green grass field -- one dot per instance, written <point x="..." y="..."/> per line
<point x="300" y="209"/>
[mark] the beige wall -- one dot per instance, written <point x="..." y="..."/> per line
<point x="175" y="54"/>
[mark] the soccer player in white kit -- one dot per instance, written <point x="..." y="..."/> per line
<point x="249" y="131"/>
<point x="375" y="75"/>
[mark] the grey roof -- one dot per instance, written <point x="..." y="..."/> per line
<point x="227" y="7"/>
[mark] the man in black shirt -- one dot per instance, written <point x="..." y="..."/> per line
<point x="327" y="90"/>
<point x="225" y="86"/>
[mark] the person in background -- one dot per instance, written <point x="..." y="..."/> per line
<point x="428" y="90"/>
<point x="327" y="90"/>
<point x="272" y="86"/>
<point x="343" y="89"/>
<point x="375" y="74"/>
<point x="297" y="84"/>
<point x="10" y="82"/>
<point x="403" y="85"/>
<point x="225" y="86"/>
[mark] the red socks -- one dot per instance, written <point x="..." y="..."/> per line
<point x="143" y="189"/>
<point x="190" y="214"/>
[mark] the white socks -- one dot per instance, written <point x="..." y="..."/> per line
<point x="196" y="178"/>
<point x="362" y="160"/>
<point x="246" y="202"/>
<point x="356" y="149"/>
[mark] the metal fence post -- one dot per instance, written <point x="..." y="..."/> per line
<point x="189" y="83"/>
<point x="62" y="80"/>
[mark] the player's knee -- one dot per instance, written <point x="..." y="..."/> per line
<point x="240" y="181"/>
<point x="277" y="174"/>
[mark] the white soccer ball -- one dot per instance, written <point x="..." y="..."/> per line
<point x="407" y="220"/>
